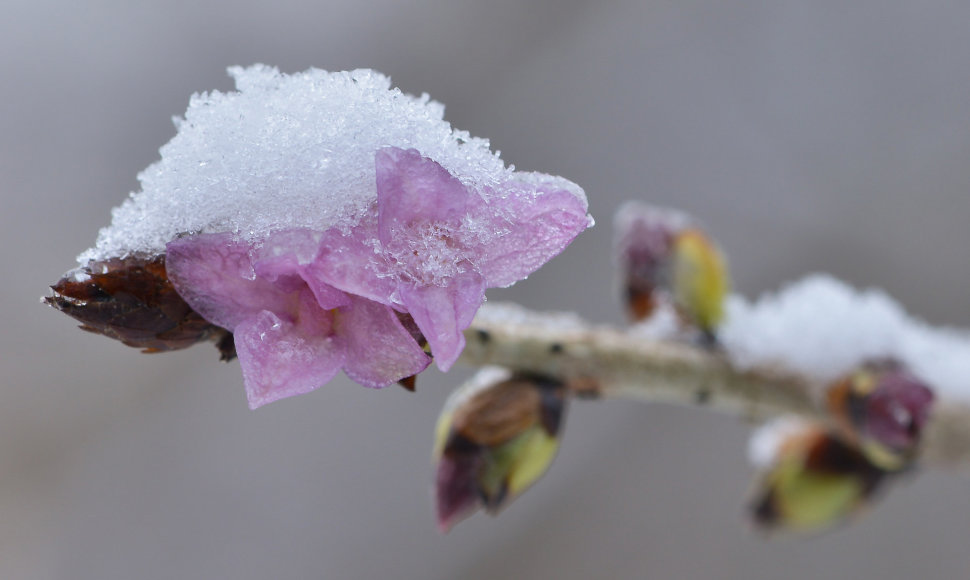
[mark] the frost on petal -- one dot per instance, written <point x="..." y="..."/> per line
<point x="442" y="313"/>
<point x="283" y="357"/>
<point x="284" y="253"/>
<point x="536" y="220"/>
<point x="446" y="242"/>
<point x="412" y="188"/>
<point x="287" y="258"/>
<point x="421" y="210"/>
<point x="214" y="274"/>
<point x="429" y="222"/>
<point x="347" y="262"/>
<point x="380" y="351"/>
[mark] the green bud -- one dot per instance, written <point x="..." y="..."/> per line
<point x="816" y="480"/>
<point x="495" y="437"/>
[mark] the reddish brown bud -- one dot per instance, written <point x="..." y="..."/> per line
<point x="132" y="300"/>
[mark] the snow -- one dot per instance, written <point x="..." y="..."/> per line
<point x="824" y="328"/>
<point x="286" y="152"/>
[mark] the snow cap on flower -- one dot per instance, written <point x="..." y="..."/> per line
<point x="332" y="222"/>
<point x="289" y="151"/>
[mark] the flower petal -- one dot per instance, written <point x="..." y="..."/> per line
<point x="283" y="253"/>
<point x="281" y="357"/>
<point x="287" y="258"/>
<point x="215" y="276"/>
<point x="443" y="312"/>
<point x="538" y="219"/>
<point x="414" y="188"/>
<point x="380" y="351"/>
<point x="347" y="263"/>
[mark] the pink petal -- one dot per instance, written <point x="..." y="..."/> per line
<point x="284" y="253"/>
<point x="380" y="351"/>
<point x="213" y="273"/>
<point x="282" y="357"/>
<point x="443" y="312"/>
<point x="540" y="221"/>
<point x="347" y="263"/>
<point x="287" y="259"/>
<point x="412" y="188"/>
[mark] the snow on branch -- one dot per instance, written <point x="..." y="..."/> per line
<point x="779" y="355"/>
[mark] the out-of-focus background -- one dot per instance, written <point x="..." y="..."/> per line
<point x="809" y="136"/>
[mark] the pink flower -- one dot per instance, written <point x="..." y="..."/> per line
<point x="304" y="304"/>
<point x="292" y="333"/>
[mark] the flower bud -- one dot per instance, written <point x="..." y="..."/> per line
<point x="665" y="259"/>
<point x="495" y="437"/>
<point x="132" y="300"/>
<point x="883" y="408"/>
<point x="700" y="280"/>
<point x="813" y="481"/>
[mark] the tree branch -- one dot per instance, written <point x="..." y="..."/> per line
<point x="597" y="361"/>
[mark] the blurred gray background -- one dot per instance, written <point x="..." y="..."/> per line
<point x="808" y="135"/>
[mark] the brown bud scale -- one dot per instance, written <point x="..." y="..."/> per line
<point x="132" y="300"/>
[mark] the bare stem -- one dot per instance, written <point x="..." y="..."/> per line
<point x="611" y="363"/>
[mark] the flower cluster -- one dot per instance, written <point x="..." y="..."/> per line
<point x="304" y="304"/>
<point x="329" y="222"/>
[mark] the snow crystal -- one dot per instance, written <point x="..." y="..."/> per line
<point x="824" y="328"/>
<point x="289" y="151"/>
